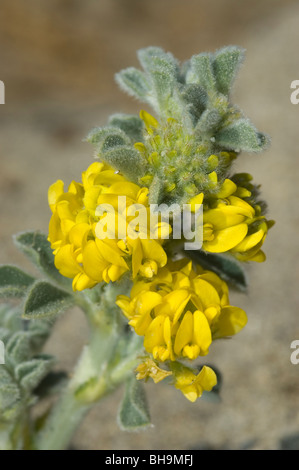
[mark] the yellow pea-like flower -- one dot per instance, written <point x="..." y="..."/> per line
<point x="181" y="311"/>
<point x="233" y="221"/>
<point x="192" y="385"/>
<point x="93" y="246"/>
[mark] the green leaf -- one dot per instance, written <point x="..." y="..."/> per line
<point x="196" y="98"/>
<point x="13" y="281"/>
<point x="39" y="330"/>
<point x="106" y="138"/>
<point x="132" y="125"/>
<point x="30" y="373"/>
<point x="18" y="347"/>
<point x="162" y="68"/>
<point x="227" y="267"/>
<point x="38" y="249"/>
<point x="155" y="190"/>
<point x="135" y="83"/>
<point x="9" y="400"/>
<point x="153" y="58"/>
<point x="46" y="300"/>
<point x="4" y="335"/>
<point x="241" y="135"/>
<point x="226" y="64"/>
<point x="10" y="396"/>
<point x="209" y="121"/>
<point x="127" y="160"/>
<point x="201" y="72"/>
<point x="134" y="413"/>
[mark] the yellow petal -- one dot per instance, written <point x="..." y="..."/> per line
<point x="226" y="239"/>
<point x="173" y="304"/>
<point x="250" y="241"/>
<point x="55" y="232"/>
<point x="206" y="292"/>
<point x="81" y="281"/>
<point x="152" y="250"/>
<point x="77" y="233"/>
<point x="110" y="252"/>
<point x="148" y="119"/>
<point x="155" y="334"/>
<point x="147" y="301"/>
<point x="54" y="192"/>
<point x="230" y="322"/>
<point x="196" y="200"/>
<point x="202" y="333"/>
<point x="93" y="262"/>
<point x="206" y="378"/>
<point x="227" y="189"/>
<point x="65" y="261"/>
<point x="223" y="217"/>
<point x="184" y="334"/>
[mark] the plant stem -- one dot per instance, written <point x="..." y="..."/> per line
<point x="67" y="415"/>
<point x="86" y="387"/>
<point x="100" y="370"/>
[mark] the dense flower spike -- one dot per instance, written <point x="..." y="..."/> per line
<point x="182" y="155"/>
<point x="180" y="312"/>
<point x="180" y="159"/>
<point x="76" y="222"/>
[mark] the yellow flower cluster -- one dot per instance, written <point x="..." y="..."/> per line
<point x="233" y="222"/>
<point x="179" y="313"/>
<point x="177" y="308"/>
<point x="79" y="253"/>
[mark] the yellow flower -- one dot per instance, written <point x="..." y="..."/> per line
<point x="84" y="255"/>
<point x="149" y="368"/>
<point x="180" y="311"/>
<point x="191" y="385"/>
<point x="234" y="222"/>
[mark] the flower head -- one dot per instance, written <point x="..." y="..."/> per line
<point x="234" y="221"/>
<point x="79" y="232"/>
<point x="181" y="311"/>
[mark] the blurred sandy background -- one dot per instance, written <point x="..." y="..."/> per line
<point x="58" y="60"/>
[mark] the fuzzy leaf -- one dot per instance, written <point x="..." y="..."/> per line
<point x="10" y="317"/>
<point x="9" y="399"/>
<point x="132" y="125"/>
<point x="127" y="160"/>
<point x="39" y="330"/>
<point x="37" y="248"/>
<point x="31" y="373"/>
<point x="227" y="267"/>
<point x="134" y="82"/>
<point x="241" y="135"/>
<point x="46" y="300"/>
<point x="153" y="58"/>
<point x="13" y="281"/>
<point x="202" y="72"/>
<point x="209" y="121"/>
<point x="162" y="69"/>
<point x="134" y="413"/>
<point x="9" y="395"/>
<point x="4" y="335"/>
<point x="196" y="98"/>
<point x="155" y="191"/>
<point x="106" y="138"/>
<point x="18" y="347"/>
<point x="226" y="65"/>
